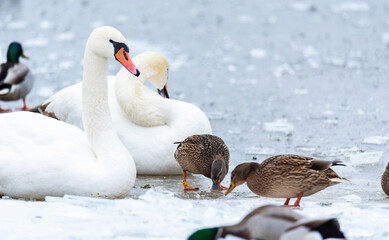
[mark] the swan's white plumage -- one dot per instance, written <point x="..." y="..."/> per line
<point x="151" y="147"/>
<point x="41" y="156"/>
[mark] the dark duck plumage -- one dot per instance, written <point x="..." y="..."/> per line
<point x="385" y="180"/>
<point x="203" y="154"/>
<point x="286" y="176"/>
<point x="16" y="80"/>
<point x="274" y="223"/>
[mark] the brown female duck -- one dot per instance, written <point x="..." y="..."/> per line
<point x="286" y="176"/>
<point x="203" y="154"/>
<point x="385" y="180"/>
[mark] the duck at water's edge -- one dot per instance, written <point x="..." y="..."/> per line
<point x="286" y="176"/>
<point x="204" y="154"/>
<point x="16" y="81"/>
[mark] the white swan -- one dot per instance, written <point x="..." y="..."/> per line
<point x="41" y="156"/>
<point x="146" y="123"/>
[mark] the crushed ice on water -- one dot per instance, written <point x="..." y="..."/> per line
<point x="279" y="125"/>
<point x="378" y="140"/>
<point x="36" y="42"/>
<point x="366" y="157"/>
<point x="258" y="53"/>
<point x="357" y="6"/>
<point x="260" y="151"/>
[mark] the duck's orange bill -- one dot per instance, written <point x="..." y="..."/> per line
<point x="232" y="186"/>
<point x="124" y="58"/>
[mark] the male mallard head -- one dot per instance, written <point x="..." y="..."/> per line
<point x="205" y="234"/>
<point x="15" y="51"/>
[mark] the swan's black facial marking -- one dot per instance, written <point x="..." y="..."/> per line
<point x="118" y="45"/>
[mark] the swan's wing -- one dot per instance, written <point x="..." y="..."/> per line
<point x="38" y="154"/>
<point x="30" y="137"/>
<point x="66" y="105"/>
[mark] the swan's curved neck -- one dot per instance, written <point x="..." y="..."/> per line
<point x="95" y="114"/>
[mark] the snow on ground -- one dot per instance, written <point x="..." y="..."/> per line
<point x="274" y="77"/>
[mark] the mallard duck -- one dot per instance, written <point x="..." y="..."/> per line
<point x="203" y="154"/>
<point x="41" y="156"/>
<point x="146" y="123"/>
<point x="385" y="180"/>
<point x="274" y="223"/>
<point x="286" y="176"/>
<point x="15" y="78"/>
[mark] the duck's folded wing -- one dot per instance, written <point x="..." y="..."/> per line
<point x="16" y="74"/>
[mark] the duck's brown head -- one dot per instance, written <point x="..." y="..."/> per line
<point x="239" y="175"/>
<point x="219" y="170"/>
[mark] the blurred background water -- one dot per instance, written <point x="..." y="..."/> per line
<point x="274" y="77"/>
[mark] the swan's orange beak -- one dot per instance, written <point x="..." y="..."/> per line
<point x="232" y="186"/>
<point x="124" y="58"/>
<point x="164" y="93"/>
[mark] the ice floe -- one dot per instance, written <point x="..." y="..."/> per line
<point x="366" y="157"/>
<point x="258" y="53"/>
<point x="36" y="42"/>
<point x="351" y="7"/>
<point x="279" y="125"/>
<point x="260" y="151"/>
<point x="300" y="91"/>
<point x="378" y="140"/>
<point x="301" y="6"/>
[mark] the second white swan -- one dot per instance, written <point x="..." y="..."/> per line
<point x="146" y="123"/>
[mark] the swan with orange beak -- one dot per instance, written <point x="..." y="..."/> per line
<point x="122" y="54"/>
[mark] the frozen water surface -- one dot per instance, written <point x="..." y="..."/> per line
<point x="322" y="65"/>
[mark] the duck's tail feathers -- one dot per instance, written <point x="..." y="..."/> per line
<point x="338" y="163"/>
<point x="339" y="180"/>
<point x="179" y="144"/>
<point x="5" y="88"/>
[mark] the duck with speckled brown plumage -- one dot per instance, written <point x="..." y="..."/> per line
<point x="16" y="81"/>
<point x="204" y="154"/>
<point x="385" y="180"/>
<point x="286" y="176"/>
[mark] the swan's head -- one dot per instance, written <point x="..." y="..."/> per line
<point x="108" y="42"/>
<point x="155" y="69"/>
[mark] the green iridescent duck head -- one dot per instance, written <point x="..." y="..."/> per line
<point x="15" y="51"/>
